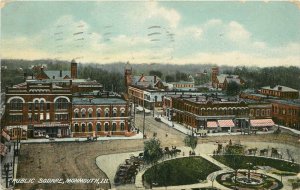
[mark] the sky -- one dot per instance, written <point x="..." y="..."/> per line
<point x="230" y="33"/>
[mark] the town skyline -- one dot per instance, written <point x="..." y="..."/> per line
<point x="249" y="33"/>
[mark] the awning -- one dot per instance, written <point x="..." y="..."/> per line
<point x="52" y="125"/>
<point x="262" y="123"/>
<point x="3" y="149"/>
<point x="212" y="124"/>
<point x="5" y="135"/>
<point x="226" y="123"/>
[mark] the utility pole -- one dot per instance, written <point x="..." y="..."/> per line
<point x="144" y="123"/>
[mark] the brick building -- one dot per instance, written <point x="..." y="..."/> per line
<point x="99" y="116"/>
<point x="216" y="113"/>
<point x="280" y="91"/>
<point x="39" y="108"/>
<point x="287" y="113"/>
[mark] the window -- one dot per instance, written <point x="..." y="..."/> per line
<point x="114" y="127"/>
<point x="16" y="104"/>
<point x="268" y="112"/>
<point x="262" y="112"/>
<point x="61" y="103"/>
<point x="106" y="127"/>
<point x="122" y="113"/>
<point x="114" y="113"/>
<point x="90" y="112"/>
<point x="90" y="126"/>
<point x="251" y="112"/>
<point x="76" y="113"/>
<point x="76" y="127"/>
<point x="42" y="105"/>
<point x="47" y="116"/>
<point x="36" y="104"/>
<point x="41" y="116"/>
<point x="257" y="112"/>
<point x="83" y="113"/>
<point x="16" y="118"/>
<point x="36" y="117"/>
<point x="98" y="113"/>
<point x="106" y="113"/>
<point x="29" y="116"/>
<point x="122" y="126"/>
<point x="98" y="126"/>
<point x="83" y="127"/>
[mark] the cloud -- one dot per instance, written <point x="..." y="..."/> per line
<point x="237" y="33"/>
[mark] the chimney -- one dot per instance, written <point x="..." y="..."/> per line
<point x="25" y="76"/>
<point x="280" y="88"/>
<point x="70" y="82"/>
<point x="42" y="68"/>
<point x="60" y="73"/>
<point x="32" y="76"/>
<point x="154" y="79"/>
<point x="53" y="77"/>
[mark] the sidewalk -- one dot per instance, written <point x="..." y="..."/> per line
<point x="292" y="130"/>
<point x="9" y="159"/>
<point x="74" y="139"/>
<point x="187" y="131"/>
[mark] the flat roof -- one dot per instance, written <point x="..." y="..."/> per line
<point x="97" y="101"/>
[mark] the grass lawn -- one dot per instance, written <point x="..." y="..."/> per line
<point x="232" y="160"/>
<point x="181" y="171"/>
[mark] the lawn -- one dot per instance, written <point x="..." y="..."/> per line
<point x="181" y="171"/>
<point x="233" y="160"/>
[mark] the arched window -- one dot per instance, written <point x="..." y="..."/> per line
<point x="90" y="112"/>
<point x="61" y="103"/>
<point x="90" y="127"/>
<point x="122" y="126"/>
<point x="98" y="126"/>
<point x="98" y="112"/>
<point x="106" y="127"/>
<point x="36" y="104"/>
<point x="42" y="103"/>
<point x="76" y="113"/>
<point x="76" y="127"/>
<point x="83" y="127"/>
<point x="16" y="104"/>
<point x="114" y="112"/>
<point x="106" y="112"/>
<point x="122" y="112"/>
<point x="114" y="127"/>
<point x="83" y="113"/>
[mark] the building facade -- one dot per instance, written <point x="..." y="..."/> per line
<point x="287" y="113"/>
<point x="280" y="91"/>
<point x="38" y="109"/>
<point x="99" y="117"/>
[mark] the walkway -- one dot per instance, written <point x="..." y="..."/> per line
<point x="74" y="139"/>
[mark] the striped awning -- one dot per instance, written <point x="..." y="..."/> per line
<point x="262" y="123"/>
<point x="3" y="149"/>
<point x="225" y="123"/>
<point x="212" y="124"/>
<point x="5" y="135"/>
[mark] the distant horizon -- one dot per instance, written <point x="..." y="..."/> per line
<point x="231" y="33"/>
<point x="156" y="63"/>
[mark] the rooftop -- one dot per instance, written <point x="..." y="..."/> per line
<point x="288" y="102"/>
<point x="97" y="101"/>
<point x="280" y="88"/>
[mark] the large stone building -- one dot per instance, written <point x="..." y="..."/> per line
<point x="221" y="81"/>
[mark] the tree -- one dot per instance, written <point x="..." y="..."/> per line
<point x="157" y="73"/>
<point x="170" y="78"/>
<point x="191" y="141"/>
<point x="233" y="88"/>
<point x="152" y="154"/>
<point x="152" y="151"/>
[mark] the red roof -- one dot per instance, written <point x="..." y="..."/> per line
<point x="262" y="123"/>
<point x="212" y="124"/>
<point x="226" y="123"/>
